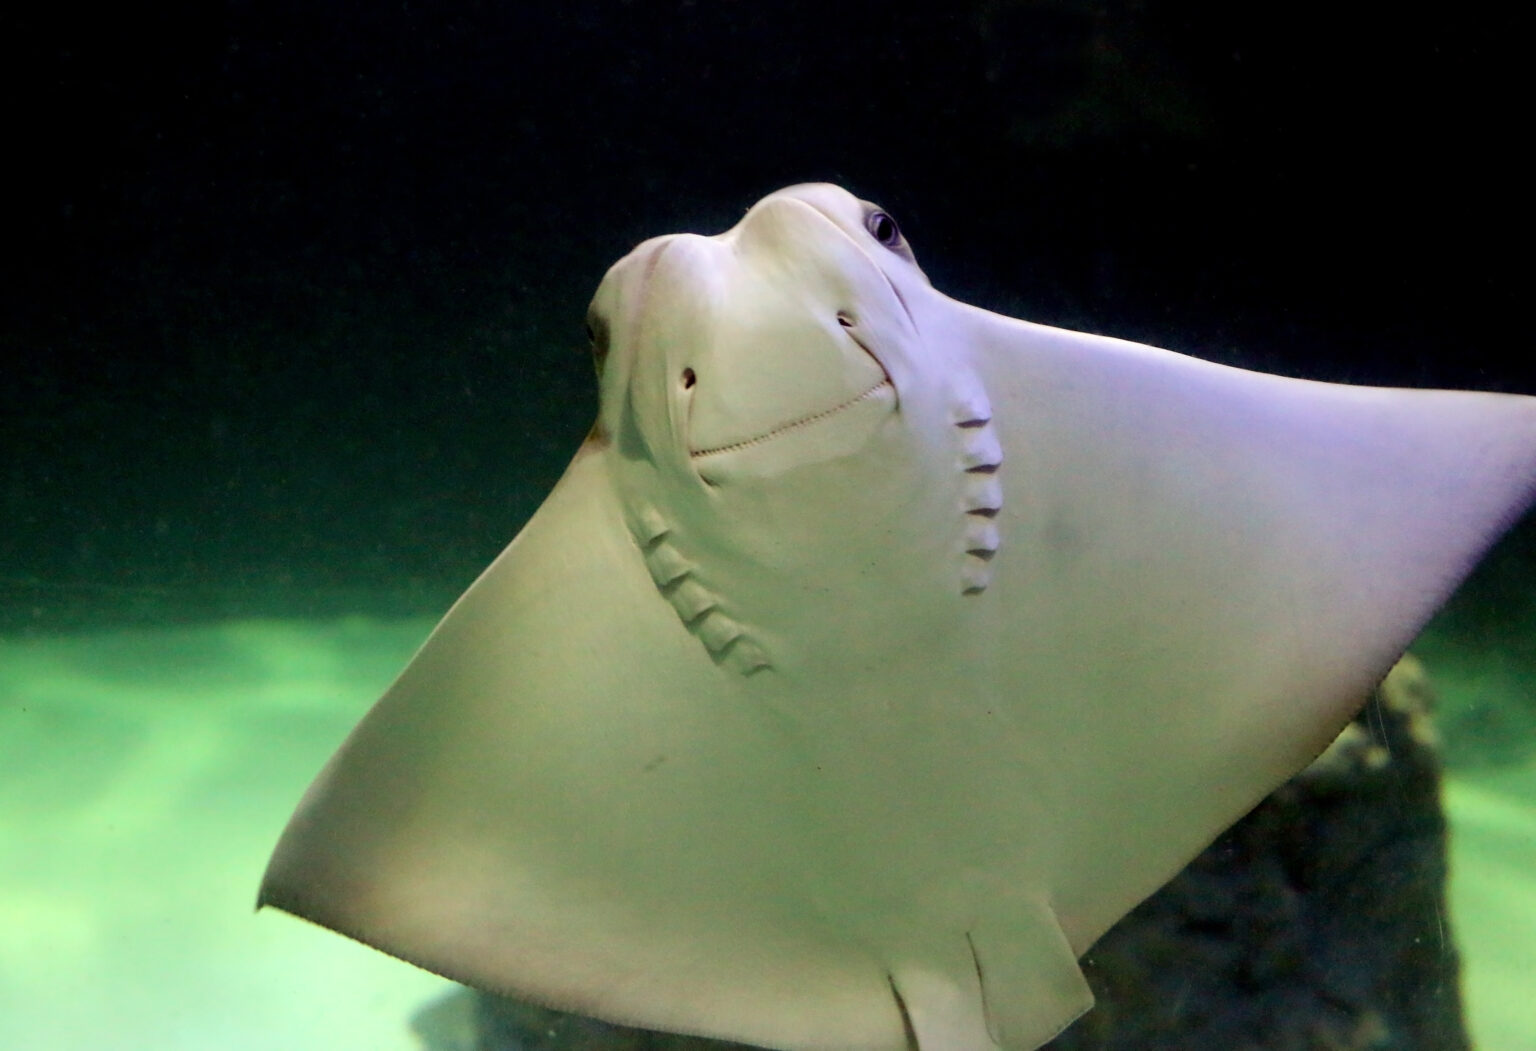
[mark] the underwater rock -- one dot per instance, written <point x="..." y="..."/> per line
<point x="1319" y="921"/>
<point x="507" y="1025"/>
<point x="1316" y="922"/>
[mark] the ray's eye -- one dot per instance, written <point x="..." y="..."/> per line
<point x="883" y="229"/>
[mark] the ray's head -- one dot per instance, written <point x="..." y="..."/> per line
<point x="786" y="340"/>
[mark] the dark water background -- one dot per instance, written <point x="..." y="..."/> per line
<point x="291" y="309"/>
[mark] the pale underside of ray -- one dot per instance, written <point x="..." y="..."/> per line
<point x="849" y="722"/>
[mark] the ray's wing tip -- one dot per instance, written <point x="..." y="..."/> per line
<point x="273" y="894"/>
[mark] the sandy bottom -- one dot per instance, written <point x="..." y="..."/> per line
<point x="1493" y="904"/>
<point x="144" y="777"/>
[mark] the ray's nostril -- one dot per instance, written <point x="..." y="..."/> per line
<point x="844" y="319"/>
<point x="689" y="379"/>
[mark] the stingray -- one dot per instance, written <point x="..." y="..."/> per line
<point x="875" y="653"/>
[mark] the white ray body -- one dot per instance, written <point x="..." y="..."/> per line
<point x="877" y="652"/>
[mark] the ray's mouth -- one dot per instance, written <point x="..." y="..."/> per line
<point x="875" y="390"/>
<point x="794" y="425"/>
